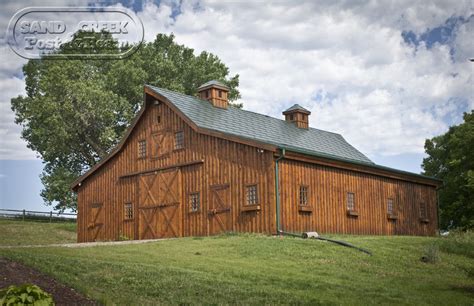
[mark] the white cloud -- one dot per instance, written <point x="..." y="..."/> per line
<point x="347" y="62"/>
<point x="11" y="144"/>
<point x="384" y="95"/>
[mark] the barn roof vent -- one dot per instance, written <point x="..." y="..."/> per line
<point x="297" y="115"/>
<point x="214" y="92"/>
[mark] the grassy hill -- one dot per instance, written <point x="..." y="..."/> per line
<point x="15" y="232"/>
<point x="257" y="269"/>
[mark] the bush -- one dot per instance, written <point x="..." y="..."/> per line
<point x="25" y="295"/>
<point x="431" y="254"/>
<point x="458" y="242"/>
<point x="123" y="237"/>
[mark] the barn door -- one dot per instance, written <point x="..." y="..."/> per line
<point x="161" y="144"/>
<point x="220" y="219"/>
<point x="96" y="221"/>
<point x="159" y="205"/>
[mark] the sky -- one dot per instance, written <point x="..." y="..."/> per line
<point x="386" y="75"/>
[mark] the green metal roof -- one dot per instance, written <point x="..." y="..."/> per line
<point x="212" y="82"/>
<point x="262" y="128"/>
<point x="297" y="107"/>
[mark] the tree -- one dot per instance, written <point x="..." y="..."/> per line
<point x="451" y="158"/>
<point x="75" y="111"/>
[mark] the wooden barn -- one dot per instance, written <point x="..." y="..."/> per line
<point x="196" y="166"/>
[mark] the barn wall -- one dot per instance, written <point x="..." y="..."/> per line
<point x="224" y="162"/>
<point x="221" y="169"/>
<point x="328" y="188"/>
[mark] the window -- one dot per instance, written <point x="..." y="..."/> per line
<point x="390" y="206"/>
<point x="252" y="195"/>
<point x="179" y="140"/>
<point x="128" y="211"/>
<point x="194" y="202"/>
<point x="350" y="201"/>
<point x="220" y="93"/>
<point x="208" y="93"/>
<point x="142" y="149"/>
<point x="158" y="119"/>
<point x="291" y="117"/>
<point x="303" y="195"/>
<point x="423" y="211"/>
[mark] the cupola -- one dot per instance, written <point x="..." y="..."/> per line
<point x="214" y="92"/>
<point x="298" y="115"/>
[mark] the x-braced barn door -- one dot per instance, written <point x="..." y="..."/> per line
<point x="96" y="221"/>
<point x="159" y="205"/>
<point x="220" y="218"/>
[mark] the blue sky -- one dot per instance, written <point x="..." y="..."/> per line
<point x="385" y="75"/>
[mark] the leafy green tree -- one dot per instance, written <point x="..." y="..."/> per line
<point x="75" y="111"/>
<point x="451" y="158"/>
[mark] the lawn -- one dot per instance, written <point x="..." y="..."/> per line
<point x="257" y="269"/>
<point x="14" y="232"/>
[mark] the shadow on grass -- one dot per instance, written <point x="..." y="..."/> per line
<point x="464" y="289"/>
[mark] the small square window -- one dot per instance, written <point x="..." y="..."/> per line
<point x="128" y="211"/>
<point x="291" y="117"/>
<point x="142" y="149"/>
<point x="179" y="140"/>
<point x="350" y="201"/>
<point x="390" y="206"/>
<point x="194" y="202"/>
<point x="252" y="198"/>
<point x="303" y="195"/>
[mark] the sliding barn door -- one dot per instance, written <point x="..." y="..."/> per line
<point x="220" y="218"/>
<point x="160" y="205"/>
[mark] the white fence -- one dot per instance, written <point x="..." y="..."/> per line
<point x="48" y="216"/>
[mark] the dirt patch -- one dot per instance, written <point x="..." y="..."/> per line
<point x="13" y="273"/>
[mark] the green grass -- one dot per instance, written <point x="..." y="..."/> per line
<point x="14" y="232"/>
<point x="256" y="269"/>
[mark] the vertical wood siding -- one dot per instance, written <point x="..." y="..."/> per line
<point x="225" y="162"/>
<point x="327" y="196"/>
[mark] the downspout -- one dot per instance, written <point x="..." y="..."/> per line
<point x="437" y="207"/>
<point x="277" y="191"/>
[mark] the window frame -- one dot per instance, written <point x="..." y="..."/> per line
<point x="128" y="211"/>
<point x="423" y="210"/>
<point x="191" y="197"/>
<point x="142" y="148"/>
<point x="252" y="198"/>
<point x="179" y="140"/>
<point x="350" y="201"/>
<point x="390" y="206"/>
<point x="303" y="190"/>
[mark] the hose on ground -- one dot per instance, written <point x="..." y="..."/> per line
<point x="343" y="243"/>
<point x="346" y="244"/>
